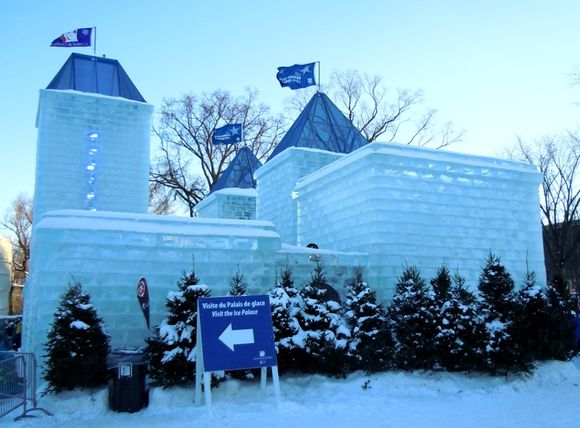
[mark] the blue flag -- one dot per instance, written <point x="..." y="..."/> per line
<point x="296" y="76"/>
<point x="78" y="37"/>
<point x="228" y="134"/>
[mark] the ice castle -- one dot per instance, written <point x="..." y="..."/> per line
<point x="380" y="206"/>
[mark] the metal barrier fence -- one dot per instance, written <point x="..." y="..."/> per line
<point x="18" y="384"/>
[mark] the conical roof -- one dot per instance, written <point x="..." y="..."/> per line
<point x="321" y="125"/>
<point x="95" y="75"/>
<point x="240" y="172"/>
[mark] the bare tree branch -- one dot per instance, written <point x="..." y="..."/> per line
<point x="188" y="163"/>
<point x="18" y="221"/>
<point x="378" y="114"/>
<point x="558" y="159"/>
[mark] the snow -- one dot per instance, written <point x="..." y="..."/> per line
<point x="549" y="398"/>
<point x="79" y="325"/>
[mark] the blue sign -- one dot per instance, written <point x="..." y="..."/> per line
<point x="236" y="333"/>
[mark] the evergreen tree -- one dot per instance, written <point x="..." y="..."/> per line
<point x="172" y="346"/>
<point x="238" y="288"/>
<point x="531" y="321"/>
<point x="371" y="343"/>
<point x="237" y="285"/>
<point x="459" y="339"/>
<point x="441" y="284"/>
<point x="561" y="343"/>
<point x="498" y="308"/>
<point x="411" y="316"/>
<point x="285" y="302"/>
<point x="77" y="346"/>
<point x="325" y="334"/>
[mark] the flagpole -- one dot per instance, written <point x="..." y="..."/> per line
<point x="95" y="45"/>
<point x="319" y="90"/>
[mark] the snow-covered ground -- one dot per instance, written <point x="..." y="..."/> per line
<point x="549" y="398"/>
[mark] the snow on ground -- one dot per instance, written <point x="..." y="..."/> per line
<point x="549" y="398"/>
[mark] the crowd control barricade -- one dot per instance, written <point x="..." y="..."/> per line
<point x="18" y="384"/>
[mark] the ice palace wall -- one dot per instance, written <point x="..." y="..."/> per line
<point x="405" y="205"/>
<point x="275" y="181"/>
<point x="229" y="203"/>
<point x="109" y="252"/>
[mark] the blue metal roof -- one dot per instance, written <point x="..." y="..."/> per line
<point x="240" y="172"/>
<point x="321" y="125"/>
<point x="95" y="75"/>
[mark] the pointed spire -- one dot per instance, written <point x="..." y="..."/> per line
<point x="95" y="75"/>
<point x="240" y="171"/>
<point x="321" y="125"/>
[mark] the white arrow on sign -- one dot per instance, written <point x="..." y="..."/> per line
<point x="232" y="337"/>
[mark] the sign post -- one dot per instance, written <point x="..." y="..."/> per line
<point x="234" y="333"/>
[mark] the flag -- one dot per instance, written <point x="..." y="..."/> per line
<point x="78" y="37"/>
<point x="143" y="297"/>
<point x="228" y="134"/>
<point x="296" y="76"/>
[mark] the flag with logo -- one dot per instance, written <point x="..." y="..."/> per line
<point x="296" y="76"/>
<point x="143" y="297"/>
<point x="228" y="134"/>
<point x="75" y="38"/>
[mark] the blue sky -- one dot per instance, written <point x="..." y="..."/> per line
<point x="497" y="69"/>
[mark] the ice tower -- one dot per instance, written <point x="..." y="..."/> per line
<point x="93" y="140"/>
<point x="234" y="194"/>
<point x="320" y="135"/>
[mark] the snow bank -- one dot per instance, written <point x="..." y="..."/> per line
<point x="396" y="399"/>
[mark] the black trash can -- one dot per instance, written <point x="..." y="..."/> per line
<point x="127" y="380"/>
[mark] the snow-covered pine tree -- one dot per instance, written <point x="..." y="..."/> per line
<point x="237" y="285"/>
<point x="459" y="339"/>
<point x="77" y="346"/>
<point x="285" y="302"/>
<point x="171" y="348"/>
<point x="561" y="343"/>
<point x="238" y="288"/>
<point x="531" y="320"/>
<point x="325" y="331"/>
<point x="441" y="285"/>
<point x="371" y="344"/>
<point x="411" y="317"/>
<point x="498" y="308"/>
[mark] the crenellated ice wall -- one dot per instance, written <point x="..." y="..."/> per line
<point x="275" y="184"/>
<point x="109" y="252"/>
<point x="407" y="205"/>
<point x="232" y="203"/>
<point x="121" y="129"/>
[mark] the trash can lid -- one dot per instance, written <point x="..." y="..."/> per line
<point x="134" y="355"/>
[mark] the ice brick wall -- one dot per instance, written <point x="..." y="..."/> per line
<point x="276" y="181"/>
<point x="108" y="253"/>
<point x="229" y="203"/>
<point x="407" y="205"/>
<point x="65" y="120"/>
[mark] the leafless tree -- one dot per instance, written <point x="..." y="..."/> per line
<point x="188" y="164"/>
<point x="160" y="199"/>
<point x="378" y="114"/>
<point x="18" y="221"/>
<point x="558" y="159"/>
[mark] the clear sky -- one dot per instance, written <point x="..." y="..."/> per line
<point x="496" y="68"/>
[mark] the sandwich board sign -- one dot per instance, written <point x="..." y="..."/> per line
<point x="234" y="333"/>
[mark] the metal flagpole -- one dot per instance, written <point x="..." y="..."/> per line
<point x="95" y="45"/>
<point x="319" y="90"/>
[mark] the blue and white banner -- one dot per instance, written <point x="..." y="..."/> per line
<point x="228" y="134"/>
<point x="75" y="38"/>
<point x="296" y="76"/>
